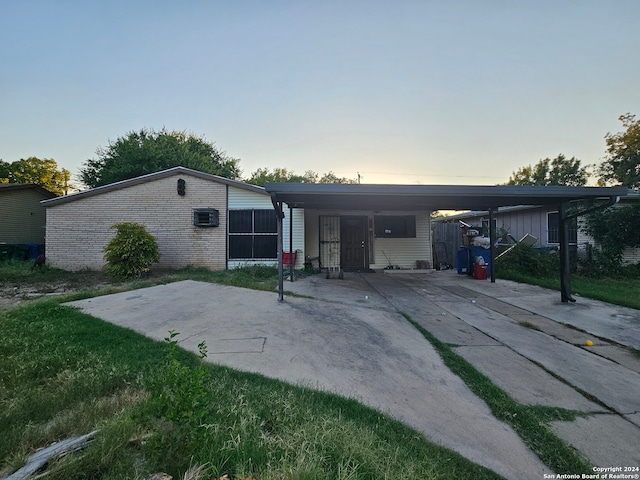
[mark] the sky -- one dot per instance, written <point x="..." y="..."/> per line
<point x="399" y="91"/>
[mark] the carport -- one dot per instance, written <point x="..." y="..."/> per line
<point x="572" y="202"/>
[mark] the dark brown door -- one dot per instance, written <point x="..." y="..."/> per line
<point x="353" y="243"/>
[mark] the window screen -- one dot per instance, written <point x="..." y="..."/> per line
<point x="253" y="234"/>
<point x="553" y="228"/>
<point x="395" y="226"/>
<point x="240" y="221"/>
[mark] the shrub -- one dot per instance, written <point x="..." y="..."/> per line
<point x="131" y="251"/>
<point x="526" y="260"/>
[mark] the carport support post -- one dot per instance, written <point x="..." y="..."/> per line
<point x="279" y="216"/>
<point x="492" y="250"/>
<point x="565" y="262"/>
<point x="291" y="265"/>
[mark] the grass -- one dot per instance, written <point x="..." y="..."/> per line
<point x="623" y="292"/>
<point x="65" y="373"/>
<point x="530" y="422"/>
<point x="86" y="284"/>
<point x="159" y="408"/>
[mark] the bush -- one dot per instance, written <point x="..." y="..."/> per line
<point x="525" y="260"/>
<point x="131" y="251"/>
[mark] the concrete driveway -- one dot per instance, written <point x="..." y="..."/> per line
<point x="351" y="339"/>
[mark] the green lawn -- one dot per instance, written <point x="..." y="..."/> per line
<point x="65" y="373"/>
<point x="159" y="408"/>
<point x="622" y="292"/>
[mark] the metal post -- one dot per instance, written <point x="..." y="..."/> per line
<point x="291" y="265"/>
<point x="277" y="206"/>
<point x="492" y="250"/>
<point x="565" y="263"/>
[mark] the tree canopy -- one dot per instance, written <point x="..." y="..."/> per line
<point x="559" y="171"/>
<point x="148" y="151"/>
<point x="622" y="163"/>
<point x="264" y="175"/>
<point x="43" y="172"/>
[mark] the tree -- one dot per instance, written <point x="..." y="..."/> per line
<point x="622" y="164"/>
<point x="615" y="229"/>
<point x="39" y="172"/>
<point x="147" y="151"/>
<point x="263" y="175"/>
<point x="4" y="171"/>
<point x="559" y="171"/>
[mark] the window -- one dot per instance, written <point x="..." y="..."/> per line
<point x="253" y="234"/>
<point x="553" y="228"/>
<point x="206" y="217"/>
<point x="397" y="226"/>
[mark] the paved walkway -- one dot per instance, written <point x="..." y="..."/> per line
<point x="350" y="338"/>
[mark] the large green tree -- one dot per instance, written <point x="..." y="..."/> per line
<point x="559" y="171"/>
<point x="43" y="172"/>
<point x="622" y="163"/>
<point x="148" y="151"/>
<point x="264" y="175"/>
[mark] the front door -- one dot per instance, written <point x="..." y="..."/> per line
<point x="353" y="240"/>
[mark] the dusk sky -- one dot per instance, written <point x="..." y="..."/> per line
<point x="430" y="92"/>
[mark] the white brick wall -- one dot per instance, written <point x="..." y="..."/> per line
<point x="77" y="231"/>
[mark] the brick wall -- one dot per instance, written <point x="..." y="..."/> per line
<point x="77" y="231"/>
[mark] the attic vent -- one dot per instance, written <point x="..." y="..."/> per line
<point x="206" y="217"/>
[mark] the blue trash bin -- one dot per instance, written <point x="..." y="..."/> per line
<point x="462" y="260"/>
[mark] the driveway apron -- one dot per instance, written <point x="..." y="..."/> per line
<point x="349" y="340"/>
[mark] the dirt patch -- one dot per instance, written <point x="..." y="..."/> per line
<point x="17" y="292"/>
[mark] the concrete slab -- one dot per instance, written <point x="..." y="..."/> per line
<point x="373" y="355"/>
<point x="619" y="355"/>
<point x="351" y="290"/>
<point x="560" y="331"/>
<point x="500" y="306"/>
<point x="452" y="330"/>
<point x="524" y="381"/>
<point x="634" y="418"/>
<point x="619" y="324"/>
<point x="614" y="385"/>
<point x="606" y="440"/>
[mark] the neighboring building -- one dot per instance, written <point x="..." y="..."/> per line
<point x="198" y="219"/>
<point x="541" y="222"/>
<point x="22" y="219"/>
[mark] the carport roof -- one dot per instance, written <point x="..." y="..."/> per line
<point x="428" y="197"/>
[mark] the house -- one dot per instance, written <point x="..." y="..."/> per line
<point x="22" y="220"/>
<point x="198" y="219"/>
<point x="512" y="223"/>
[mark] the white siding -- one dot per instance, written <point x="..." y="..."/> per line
<point x="77" y="231"/>
<point x="22" y="218"/>
<point x="240" y="199"/>
<point x="398" y="251"/>
<point x="631" y="255"/>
